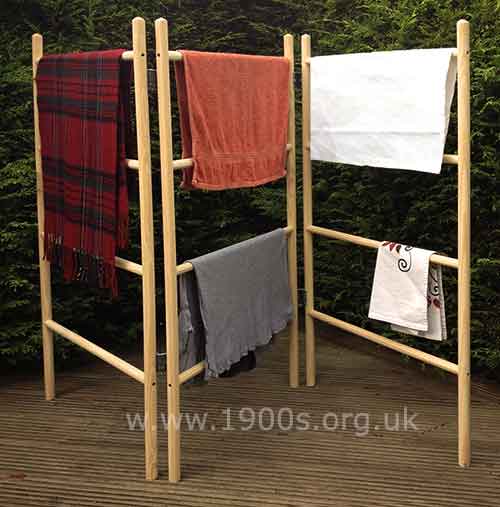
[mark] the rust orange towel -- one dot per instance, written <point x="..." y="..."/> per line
<point x="234" y="118"/>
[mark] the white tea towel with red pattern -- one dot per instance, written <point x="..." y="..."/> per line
<point x="407" y="291"/>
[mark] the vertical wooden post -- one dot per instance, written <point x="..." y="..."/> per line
<point x="464" y="380"/>
<point x="45" y="282"/>
<point x="308" y="209"/>
<point x="169" y="249"/>
<point x="147" y="246"/>
<point x="291" y="205"/>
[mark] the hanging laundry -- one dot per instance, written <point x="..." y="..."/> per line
<point x="407" y="291"/>
<point x="383" y="109"/>
<point x="242" y="298"/>
<point x="246" y="363"/>
<point x="83" y="103"/>
<point x="191" y="330"/>
<point x="234" y="118"/>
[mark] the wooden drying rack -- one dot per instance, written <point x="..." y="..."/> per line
<point x="462" y="263"/>
<point x="138" y="56"/>
<point x="175" y="378"/>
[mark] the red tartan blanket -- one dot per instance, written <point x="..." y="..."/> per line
<point x="83" y="102"/>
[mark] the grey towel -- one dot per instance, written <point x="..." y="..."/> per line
<point x="243" y="299"/>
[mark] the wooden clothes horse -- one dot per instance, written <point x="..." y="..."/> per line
<point x="462" y="263"/>
<point x="175" y="378"/>
<point x="146" y="270"/>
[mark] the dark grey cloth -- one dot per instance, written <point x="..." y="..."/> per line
<point x="243" y="299"/>
<point x="191" y="332"/>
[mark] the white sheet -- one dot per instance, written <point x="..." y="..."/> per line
<point x="407" y="291"/>
<point x="383" y="109"/>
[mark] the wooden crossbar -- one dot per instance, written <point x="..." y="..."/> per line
<point x="191" y="372"/>
<point x="448" y="158"/>
<point x="372" y="243"/>
<point x="138" y="56"/>
<point x="96" y="350"/>
<point x="132" y="163"/>
<point x="175" y="378"/>
<point x="126" y="55"/>
<point x="461" y="263"/>
<point x="454" y="52"/>
<point x="129" y="266"/>
<point x="181" y="163"/>
<point x="184" y="163"/>
<point x="185" y="267"/>
<point x="386" y="342"/>
<point x="174" y="56"/>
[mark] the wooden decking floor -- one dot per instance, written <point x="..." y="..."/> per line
<point x="79" y="450"/>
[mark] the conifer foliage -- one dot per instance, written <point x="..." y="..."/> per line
<point x="418" y="209"/>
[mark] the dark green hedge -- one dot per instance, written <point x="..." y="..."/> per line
<point x="416" y="208"/>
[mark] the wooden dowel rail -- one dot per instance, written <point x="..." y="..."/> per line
<point x="97" y="351"/>
<point x="448" y="158"/>
<point x="174" y="56"/>
<point x="185" y="267"/>
<point x="454" y="53"/>
<point x="184" y="163"/>
<point x="443" y="260"/>
<point x="191" y="372"/>
<point x="180" y="163"/>
<point x="127" y="265"/>
<point x="132" y="163"/>
<point x="386" y="342"/>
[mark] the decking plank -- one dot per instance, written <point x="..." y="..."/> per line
<point x="78" y="450"/>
